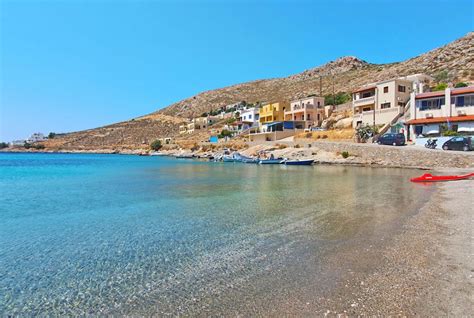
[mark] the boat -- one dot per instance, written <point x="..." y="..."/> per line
<point x="298" y="162"/>
<point x="184" y="157"/>
<point x="250" y="160"/>
<point x="228" y="158"/>
<point x="275" y="161"/>
<point x="427" y="177"/>
<point x="157" y="154"/>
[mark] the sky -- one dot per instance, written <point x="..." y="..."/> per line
<point x="71" y="65"/>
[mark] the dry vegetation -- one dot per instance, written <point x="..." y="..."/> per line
<point x="340" y="134"/>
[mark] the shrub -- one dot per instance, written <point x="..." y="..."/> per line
<point x="363" y="133"/>
<point x="281" y="146"/>
<point x="440" y="87"/>
<point x="51" y="135"/>
<point x="156" y="145"/>
<point x="324" y="136"/>
<point x="309" y="135"/>
<point x="297" y="146"/>
<point x="225" y="133"/>
<point x="460" y="84"/>
<point x="38" y="146"/>
<point x="27" y="145"/>
<point x="3" y="145"/>
<point x="195" y="147"/>
<point x="441" y="76"/>
<point x="450" y="133"/>
<point x="337" y="99"/>
<point x="345" y="154"/>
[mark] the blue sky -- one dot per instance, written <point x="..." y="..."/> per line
<point x="72" y="65"/>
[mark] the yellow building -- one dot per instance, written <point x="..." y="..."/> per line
<point x="273" y="112"/>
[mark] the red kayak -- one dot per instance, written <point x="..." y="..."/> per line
<point x="427" y="177"/>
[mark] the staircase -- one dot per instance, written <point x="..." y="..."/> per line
<point x="386" y="127"/>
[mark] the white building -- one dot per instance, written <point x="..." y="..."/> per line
<point x="432" y="112"/>
<point x="36" y="137"/>
<point x="249" y="118"/>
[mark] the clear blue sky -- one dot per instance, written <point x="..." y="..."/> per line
<point x="72" y="65"/>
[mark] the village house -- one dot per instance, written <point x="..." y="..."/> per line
<point x="379" y="103"/>
<point x="272" y="112"/>
<point x="433" y="112"/>
<point x="36" y="137"/>
<point x="249" y="118"/>
<point x="310" y="110"/>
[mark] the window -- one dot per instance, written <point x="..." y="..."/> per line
<point x="401" y="104"/>
<point x="319" y="104"/>
<point x="250" y="116"/>
<point x="385" y="105"/>
<point x="309" y="117"/>
<point x="401" y="88"/>
<point x="367" y="94"/>
<point x="463" y="101"/>
<point x="366" y="109"/>
<point x="429" y="104"/>
<point x="385" y="89"/>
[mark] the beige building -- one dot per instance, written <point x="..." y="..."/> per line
<point x="309" y="110"/>
<point x="379" y="103"/>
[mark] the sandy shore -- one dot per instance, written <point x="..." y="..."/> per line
<point x="425" y="270"/>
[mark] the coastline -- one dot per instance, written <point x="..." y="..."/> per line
<point x="425" y="270"/>
<point x="322" y="152"/>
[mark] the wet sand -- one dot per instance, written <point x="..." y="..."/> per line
<point x="425" y="270"/>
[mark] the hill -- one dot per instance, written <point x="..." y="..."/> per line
<point x="341" y="75"/>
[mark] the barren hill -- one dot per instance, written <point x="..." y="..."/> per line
<point x="343" y="74"/>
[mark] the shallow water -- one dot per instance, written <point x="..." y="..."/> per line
<point x="111" y="234"/>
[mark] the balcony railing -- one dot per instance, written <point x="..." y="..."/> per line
<point x="364" y="101"/>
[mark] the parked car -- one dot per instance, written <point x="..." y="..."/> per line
<point x="392" y="139"/>
<point x="458" y="143"/>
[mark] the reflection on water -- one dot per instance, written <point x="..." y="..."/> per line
<point x="89" y="234"/>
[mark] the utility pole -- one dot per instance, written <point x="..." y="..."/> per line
<point x="320" y="86"/>
<point x="375" y="105"/>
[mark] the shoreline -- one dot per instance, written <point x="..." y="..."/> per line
<point x="425" y="269"/>
<point x="322" y="152"/>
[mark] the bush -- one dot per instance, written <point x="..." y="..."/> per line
<point x="3" y="145"/>
<point x="337" y="99"/>
<point x="38" y="146"/>
<point x="51" y="135"/>
<point x="156" y="145"/>
<point x="281" y="146"/>
<point x="27" y="145"/>
<point x="441" y="76"/>
<point x="460" y="84"/>
<point x="449" y="133"/>
<point x="297" y="146"/>
<point x="440" y="87"/>
<point x="225" y="133"/>
<point x="345" y="154"/>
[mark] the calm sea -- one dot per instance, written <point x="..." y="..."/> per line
<point x="113" y="234"/>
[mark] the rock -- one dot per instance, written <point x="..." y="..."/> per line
<point x="343" y="123"/>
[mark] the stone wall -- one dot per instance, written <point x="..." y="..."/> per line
<point x="402" y="156"/>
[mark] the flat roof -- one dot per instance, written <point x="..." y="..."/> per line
<point x="454" y="91"/>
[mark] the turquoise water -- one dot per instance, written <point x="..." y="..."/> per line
<point x="110" y="234"/>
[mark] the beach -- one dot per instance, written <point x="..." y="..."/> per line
<point x="425" y="270"/>
<point x="160" y="236"/>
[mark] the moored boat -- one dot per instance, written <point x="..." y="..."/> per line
<point x="228" y="158"/>
<point x="427" y="177"/>
<point x="298" y="162"/>
<point x="275" y="161"/>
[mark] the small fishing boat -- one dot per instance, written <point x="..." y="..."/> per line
<point x="184" y="157"/>
<point x="228" y="158"/>
<point x="298" y="162"/>
<point x="427" y="177"/>
<point x="249" y="160"/>
<point x="275" y="161"/>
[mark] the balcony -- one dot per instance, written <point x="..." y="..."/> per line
<point x="382" y="116"/>
<point x="364" y="101"/>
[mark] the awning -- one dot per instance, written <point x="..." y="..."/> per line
<point x="440" y="120"/>
<point x="467" y="126"/>
<point x="430" y="129"/>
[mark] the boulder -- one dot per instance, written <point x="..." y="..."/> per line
<point x="343" y="123"/>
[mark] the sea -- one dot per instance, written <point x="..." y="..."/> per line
<point x="96" y="234"/>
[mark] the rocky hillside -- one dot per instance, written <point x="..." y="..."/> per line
<point x="343" y="74"/>
<point x="129" y="135"/>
